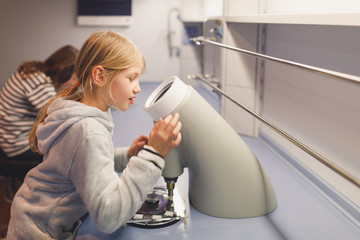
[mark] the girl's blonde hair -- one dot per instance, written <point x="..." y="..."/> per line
<point x="107" y="49"/>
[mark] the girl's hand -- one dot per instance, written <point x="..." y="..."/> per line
<point x="137" y="145"/>
<point x="166" y="134"/>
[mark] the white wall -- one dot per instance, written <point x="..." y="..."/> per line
<point x="32" y="30"/>
<point x="322" y="112"/>
<point x="240" y="77"/>
<point x="201" y="9"/>
<point x="310" y="6"/>
<point x="237" y="7"/>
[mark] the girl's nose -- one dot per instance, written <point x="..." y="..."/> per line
<point x="137" y="88"/>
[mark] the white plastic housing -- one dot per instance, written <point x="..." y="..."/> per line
<point x="226" y="179"/>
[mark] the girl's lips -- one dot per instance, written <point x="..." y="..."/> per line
<point x="131" y="100"/>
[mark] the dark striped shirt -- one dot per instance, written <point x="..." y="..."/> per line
<point x="20" y="102"/>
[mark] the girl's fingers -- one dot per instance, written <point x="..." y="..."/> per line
<point x="174" y="120"/>
<point x="177" y="128"/>
<point x="166" y="135"/>
<point x="177" y="140"/>
<point x="158" y="124"/>
<point x="167" y="119"/>
<point x="142" y="138"/>
<point x="170" y="122"/>
<point x="141" y="144"/>
<point x="175" y="131"/>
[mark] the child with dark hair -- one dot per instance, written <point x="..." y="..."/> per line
<point x="32" y="85"/>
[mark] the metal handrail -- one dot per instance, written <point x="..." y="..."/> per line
<point x="302" y="146"/>
<point x="344" y="76"/>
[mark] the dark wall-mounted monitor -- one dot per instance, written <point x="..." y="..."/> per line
<point x="104" y="12"/>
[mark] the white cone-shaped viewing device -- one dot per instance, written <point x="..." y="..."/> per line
<point x="226" y="179"/>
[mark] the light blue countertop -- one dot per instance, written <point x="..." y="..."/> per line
<point x="302" y="213"/>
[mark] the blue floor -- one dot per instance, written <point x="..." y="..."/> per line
<point x="303" y="212"/>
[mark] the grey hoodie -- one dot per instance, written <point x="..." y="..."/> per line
<point x="78" y="175"/>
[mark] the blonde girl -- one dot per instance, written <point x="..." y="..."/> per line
<point x="74" y="133"/>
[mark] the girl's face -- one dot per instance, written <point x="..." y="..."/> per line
<point x="125" y="86"/>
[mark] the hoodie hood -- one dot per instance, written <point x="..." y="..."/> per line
<point x="61" y="114"/>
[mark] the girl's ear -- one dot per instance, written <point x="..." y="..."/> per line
<point x="97" y="74"/>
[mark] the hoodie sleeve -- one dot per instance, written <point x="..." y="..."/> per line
<point x="112" y="200"/>
<point x="120" y="158"/>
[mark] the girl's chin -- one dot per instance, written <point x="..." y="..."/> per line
<point x="122" y="107"/>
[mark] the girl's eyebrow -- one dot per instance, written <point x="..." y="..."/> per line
<point x="134" y="74"/>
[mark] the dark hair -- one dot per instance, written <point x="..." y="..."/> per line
<point x="59" y="66"/>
